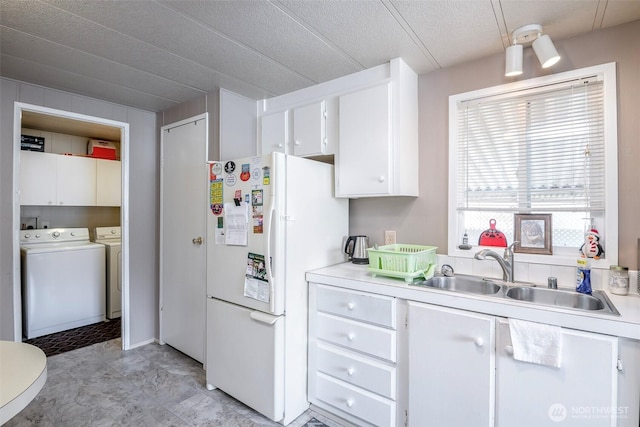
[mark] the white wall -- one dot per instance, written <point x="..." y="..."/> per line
<point x="143" y="196"/>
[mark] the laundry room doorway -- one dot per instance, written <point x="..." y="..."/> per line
<point x="44" y="199"/>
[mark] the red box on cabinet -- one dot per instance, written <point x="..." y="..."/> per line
<point x="101" y="149"/>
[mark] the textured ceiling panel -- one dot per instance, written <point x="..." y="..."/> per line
<point x="64" y="58"/>
<point x="19" y="69"/>
<point x="154" y="54"/>
<point x="365" y="30"/>
<point x="617" y="12"/>
<point x="559" y="19"/>
<point x="271" y="32"/>
<point x="157" y="26"/>
<point x="470" y="26"/>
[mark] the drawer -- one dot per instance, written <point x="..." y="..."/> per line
<point x="377" y="309"/>
<point x="369" y="339"/>
<point x="355" y="401"/>
<point x="358" y="370"/>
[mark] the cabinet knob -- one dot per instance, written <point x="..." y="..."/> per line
<point x="351" y="336"/>
<point x="349" y="403"/>
<point x="197" y="240"/>
<point x="279" y="145"/>
<point x="509" y="349"/>
<point x="297" y="143"/>
<point x="478" y="341"/>
<point x="350" y="372"/>
<point x="381" y="178"/>
<point x="351" y="306"/>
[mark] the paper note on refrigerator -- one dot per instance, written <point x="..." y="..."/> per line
<point x="256" y="285"/>
<point x="236" y="219"/>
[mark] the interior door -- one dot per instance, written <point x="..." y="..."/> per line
<point x="183" y="186"/>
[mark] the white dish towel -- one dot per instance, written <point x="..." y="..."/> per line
<point x="536" y="342"/>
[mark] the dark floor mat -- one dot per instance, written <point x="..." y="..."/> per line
<point x="72" y="339"/>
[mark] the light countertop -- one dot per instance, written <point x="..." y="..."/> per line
<point x="358" y="277"/>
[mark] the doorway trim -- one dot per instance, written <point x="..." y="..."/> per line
<point x="19" y="107"/>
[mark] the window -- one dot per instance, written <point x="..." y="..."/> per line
<point x="545" y="145"/>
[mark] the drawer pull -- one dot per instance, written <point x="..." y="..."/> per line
<point x="478" y="341"/>
<point x="351" y="336"/>
<point x="509" y="350"/>
<point x="349" y="402"/>
<point x="350" y="371"/>
<point x="351" y="306"/>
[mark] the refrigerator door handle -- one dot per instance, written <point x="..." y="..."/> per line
<point x="272" y="209"/>
<point x="261" y="317"/>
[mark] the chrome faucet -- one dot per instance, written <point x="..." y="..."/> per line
<point x="506" y="261"/>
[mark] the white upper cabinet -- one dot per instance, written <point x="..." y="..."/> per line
<point x="366" y="123"/>
<point x="238" y="126"/>
<point x="76" y="180"/>
<point x="274" y="132"/>
<point x="56" y="180"/>
<point x="108" y="183"/>
<point x="378" y="146"/>
<point x="365" y="143"/>
<point x="309" y="130"/>
<point x="38" y="179"/>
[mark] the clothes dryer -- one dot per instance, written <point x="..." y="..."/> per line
<point x="111" y="238"/>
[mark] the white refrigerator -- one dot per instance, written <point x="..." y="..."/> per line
<point x="271" y="219"/>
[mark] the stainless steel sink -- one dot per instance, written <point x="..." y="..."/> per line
<point x="598" y="301"/>
<point x="467" y="284"/>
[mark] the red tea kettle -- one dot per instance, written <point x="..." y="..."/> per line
<point x="492" y="237"/>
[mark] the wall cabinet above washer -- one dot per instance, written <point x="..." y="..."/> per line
<point x="48" y="179"/>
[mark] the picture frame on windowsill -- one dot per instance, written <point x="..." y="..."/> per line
<point x="533" y="234"/>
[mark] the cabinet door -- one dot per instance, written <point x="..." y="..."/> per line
<point x="364" y="150"/>
<point x="76" y="180"/>
<point x="451" y="367"/>
<point x="582" y="392"/>
<point x="309" y="130"/>
<point x="238" y="126"/>
<point x="38" y="178"/>
<point x="108" y="182"/>
<point x="274" y="132"/>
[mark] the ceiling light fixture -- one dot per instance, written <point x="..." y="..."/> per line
<point x="542" y="46"/>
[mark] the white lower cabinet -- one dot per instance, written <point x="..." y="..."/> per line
<point x="582" y="392"/>
<point x="462" y="373"/>
<point x="451" y="373"/>
<point x="352" y="354"/>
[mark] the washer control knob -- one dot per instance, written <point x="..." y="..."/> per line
<point x="56" y="234"/>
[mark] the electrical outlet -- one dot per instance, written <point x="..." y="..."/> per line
<point x="389" y="237"/>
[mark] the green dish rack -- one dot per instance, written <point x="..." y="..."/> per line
<point x="403" y="261"/>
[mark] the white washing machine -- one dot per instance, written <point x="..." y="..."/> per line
<point x="111" y="238"/>
<point x="63" y="280"/>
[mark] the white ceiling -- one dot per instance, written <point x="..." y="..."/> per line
<point x="154" y="54"/>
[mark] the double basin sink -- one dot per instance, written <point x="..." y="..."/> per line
<point x="597" y="302"/>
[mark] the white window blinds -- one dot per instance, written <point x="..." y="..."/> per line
<point x="536" y="150"/>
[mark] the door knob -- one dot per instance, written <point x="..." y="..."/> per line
<point x="197" y="240"/>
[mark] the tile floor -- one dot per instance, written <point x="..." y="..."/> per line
<point x="152" y="385"/>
